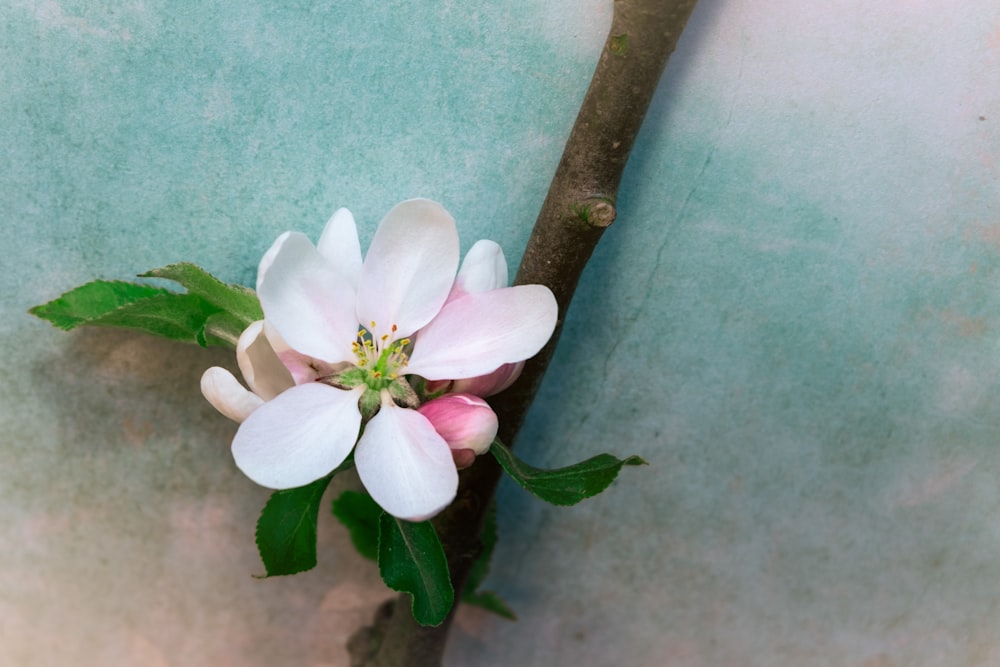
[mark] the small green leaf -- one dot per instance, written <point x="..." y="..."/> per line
<point x="286" y="529"/>
<point x="480" y="568"/>
<point x="360" y="514"/>
<point x="618" y="45"/>
<point x="118" y="304"/>
<point x="210" y="313"/>
<point x="563" y="486"/>
<point x="490" y="601"/>
<point x="238" y="301"/>
<point x="93" y="301"/>
<point x="175" y="316"/>
<point x="411" y="560"/>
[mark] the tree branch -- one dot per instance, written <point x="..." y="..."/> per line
<point x="578" y="208"/>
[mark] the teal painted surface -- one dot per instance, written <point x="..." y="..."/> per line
<point x="795" y="320"/>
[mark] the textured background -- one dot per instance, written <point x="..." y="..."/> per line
<point x="796" y="320"/>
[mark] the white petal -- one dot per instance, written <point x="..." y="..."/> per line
<point x="309" y="303"/>
<point x="483" y="269"/>
<point x="405" y="465"/>
<point x="340" y="246"/>
<point x="409" y="269"/>
<point x="298" y="437"/>
<point x="268" y="258"/>
<point x="227" y="395"/>
<point x="302" y="368"/>
<point x="477" y="333"/>
<point x="259" y="364"/>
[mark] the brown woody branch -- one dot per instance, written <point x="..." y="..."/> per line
<point x="578" y="208"/>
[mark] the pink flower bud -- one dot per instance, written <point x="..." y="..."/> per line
<point x="463" y="458"/>
<point x="463" y="420"/>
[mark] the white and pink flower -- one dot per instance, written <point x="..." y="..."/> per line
<point x="340" y="337"/>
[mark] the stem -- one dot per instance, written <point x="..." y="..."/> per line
<point x="578" y="208"/>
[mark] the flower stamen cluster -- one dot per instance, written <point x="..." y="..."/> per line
<point x="384" y="359"/>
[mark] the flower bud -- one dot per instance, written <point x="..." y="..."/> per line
<point x="228" y="396"/>
<point x="463" y="420"/>
<point x="463" y="458"/>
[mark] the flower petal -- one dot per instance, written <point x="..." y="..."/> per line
<point x="340" y="246"/>
<point x="477" y="333"/>
<point x="298" y="437"/>
<point x="405" y="465"/>
<point x="409" y="269"/>
<point x="483" y="269"/>
<point x="302" y="368"/>
<point x="268" y="259"/>
<point x="309" y="303"/>
<point x="491" y="383"/>
<point x="260" y="365"/>
<point x="227" y="395"/>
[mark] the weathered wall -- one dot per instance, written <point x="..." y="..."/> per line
<point x="796" y="320"/>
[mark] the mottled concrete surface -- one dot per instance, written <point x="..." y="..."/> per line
<point x="796" y="320"/>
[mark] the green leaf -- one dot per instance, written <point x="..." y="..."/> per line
<point x="490" y="601"/>
<point x="411" y="560"/>
<point x="176" y="316"/>
<point x="127" y="305"/>
<point x="480" y="568"/>
<point x="360" y="514"/>
<point x="238" y="301"/>
<point x="210" y="313"/>
<point x="286" y="529"/>
<point x="93" y="301"/>
<point x="563" y="486"/>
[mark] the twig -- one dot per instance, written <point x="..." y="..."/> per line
<point x="578" y="208"/>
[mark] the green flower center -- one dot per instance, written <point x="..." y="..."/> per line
<point x="381" y="361"/>
<point x="379" y="370"/>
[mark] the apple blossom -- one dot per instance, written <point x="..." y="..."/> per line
<point x="347" y="334"/>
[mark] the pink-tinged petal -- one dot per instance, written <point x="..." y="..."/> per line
<point x="227" y="395"/>
<point x="477" y="333"/>
<point x="302" y="368"/>
<point x="259" y="364"/>
<point x="409" y="269"/>
<point x="491" y="383"/>
<point x="298" y="437"/>
<point x="405" y="465"/>
<point x="483" y="269"/>
<point x="340" y="246"/>
<point x="308" y="302"/>
<point x="463" y="420"/>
